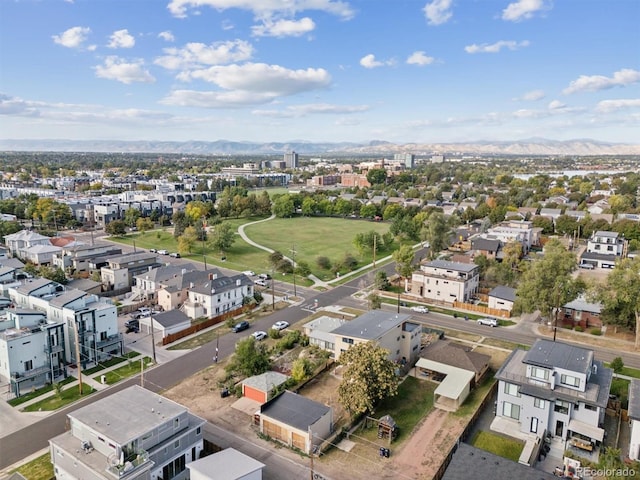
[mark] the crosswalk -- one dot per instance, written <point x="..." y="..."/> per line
<point x="309" y="307"/>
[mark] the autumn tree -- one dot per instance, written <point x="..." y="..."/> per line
<point x="249" y="358"/>
<point x="144" y="224"/>
<point x="222" y="237"/>
<point x="187" y="240"/>
<point x="368" y="377"/>
<point x="116" y="227"/>
<point x="621" y="297"/>
<point x="197" y="210"/>
<point x="374" y="301"/>
<point x="547" y="283"/>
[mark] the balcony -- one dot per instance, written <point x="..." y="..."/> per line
<point x="51" y="349"/>
<point x="34" y="372"/>
<point x="129" y="465"/>
<point x="110" y="340"/>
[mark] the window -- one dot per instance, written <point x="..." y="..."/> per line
<point x="593" y="408"/>
<point x="28" y="365"/>
<point x="540" y="373"/>
<point x="511" y="389"/>
<point x="347" y="340"/>
<point x="198" y="430"/>
<point x="570" y="380"/>
<point x="511" y="410"/>
<point x="561" y="407"/>
<point x="176" y="423"/>
<point x="172" y="469"/>
<point x="539" y="403"/>
<point x="176" y="444"/>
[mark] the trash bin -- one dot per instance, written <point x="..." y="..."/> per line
<point x="103" y="379"/>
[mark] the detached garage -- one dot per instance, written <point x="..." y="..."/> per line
<point x="261" y="387"/>
<point x="166" y="322"/>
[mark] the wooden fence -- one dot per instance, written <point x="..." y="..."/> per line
<point x="493" y="312"/>
<point x="172" y="337"/>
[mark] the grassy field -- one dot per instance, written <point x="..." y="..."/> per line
<point x="314" y="237"/>
<point x="39" y="468"/>
<point x="54" y="402"/>
<point x="498" y="445"/>
<point x="412" y="404"/>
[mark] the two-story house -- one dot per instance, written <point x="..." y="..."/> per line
<point x="131" y="434"/>
<point x="445" y="281"/>
<point x="218" y="294"/>
<point x="19" y="242"/>
<point x="119" y="274"/>
<point x="147" y="284"/>
<point x="603" y="249"/>
<point x="391" y="331"/>
<point x="557" y="389"/>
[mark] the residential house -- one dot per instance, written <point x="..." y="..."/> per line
<point x="634" y="419"/>
<point x="391" y="331"/>
<point x="40" y="254"/>
<point x="173" y="292"/>
<point x="603" y="249"/>
<point x="77" y="257"/>
<point x="583" y="313"/>
<point x="19" y="242"/>
<point x="130" y="434"/>
<point x="489" y="247"/>
<point x="165" y="323"/>
<point x="263" y="387"/>
<point x="119" y="275"/>
<point x="31" y="350"/>
<point x="227" y="464"/>
<point x="217" y="295"/>
<point x="502" y="298"/>
<point x="319" y="331"/>
<point x="578" y="215"/>
<point x="147" y="284"/>
<point x="296" y="421"/>
<point x="446" y="282"/>
<point x="557" y="389"/>
<point x="514" y="230"/>
<point x="550" y="213"/>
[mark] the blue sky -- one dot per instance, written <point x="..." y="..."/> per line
<point x="320" y="70"/>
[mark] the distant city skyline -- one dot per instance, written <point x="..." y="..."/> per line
<point x="320" y="70"/>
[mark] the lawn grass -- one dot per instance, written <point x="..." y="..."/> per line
<point x="14" y="402"/>
<point x="54" y="402"/>
<point x="412" y="403"/>
<point x="620" y="388"/>
<point x="628" y="371"/>
<point x="129" y="370"/>
<point x="110" y="363"/>
<point x="498" y="445"/>
<point x="39" y="468"/>
<point x="314" y="237"/>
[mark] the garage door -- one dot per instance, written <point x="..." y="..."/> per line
<point x="253" y="394"/>
<point x="298" y="441"/>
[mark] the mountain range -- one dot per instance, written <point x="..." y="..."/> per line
<point x="527" y="147"/>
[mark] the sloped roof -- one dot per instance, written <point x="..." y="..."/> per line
<point x="455" y="355"/>
<point x="504" y="293"/>
<point x="294" y="410"/>
<point x="171" y="318"/>
<point x="266" y="381"/>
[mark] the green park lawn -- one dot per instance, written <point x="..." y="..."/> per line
<point x="133" y="367"/>
<point x="312" y="237"/>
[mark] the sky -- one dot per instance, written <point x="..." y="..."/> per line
<point x="403" y="71"/>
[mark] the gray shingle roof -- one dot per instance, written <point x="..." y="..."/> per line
<point x="547" y="354"/>
<point x="294" y="410"/>
<point x="171" y="318"/>
<point x="371" y="325"/>
<point x="634" y="399"/>
<point x="504" y="293"/>
<point x="455" y="266"/>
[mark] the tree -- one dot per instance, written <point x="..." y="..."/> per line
<point x="382" y="281"/>
<point x="308" y="206"/>
<point x="196" y="210"/>
<point x="222" y="237"/>
<point x="275" y="258"/>
<point x="368" y="211"/>
<point x="374" y="301"/>
<point x="131" y="215"/>
<point x="249" y="358"/>
<point x="617" y="364"/>
<point x="180" y="222"/>
<point x="300" y="369"/>
<point x="144" y="224"/>
<point x="377" y="176"/>
<point x="116" y="227"/>
<point x="187" y="240"/>
<point x="621" y="297"/>
<point x="404" y="266"/>
<point x="368" y="377"/>
<point x="52" y="273"/>
<point x="283" y="207"/>
<point x="302" y="269"/>
<point x="263" y="204"/>
<point x="437" y="234"/>
<point x="547" y="284"/>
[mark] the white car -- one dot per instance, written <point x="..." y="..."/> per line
<point x="280" y="325"/>
<point x="491" y="322"/>
<point x="261" y="282"/>
<point x="163" y="252"/>
<point x="420" y="309"/>
<point x="259" y="335"/>
<point x="249" y="273"/>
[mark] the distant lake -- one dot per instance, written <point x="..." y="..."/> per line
<point x="573" y="173"/>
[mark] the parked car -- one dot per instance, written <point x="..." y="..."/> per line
<point x="259" y="335"/>
<point x="261" y="282"/>
<point x="132" y="325"/>
<point x="280" y="325"/>
<point x="153" y="250"/>
<point x="491" y="322"/>
<point x="163" y="252"/>
<point x="249" y="273"/>
<point x="420" y="309"/>
<point x="174" y="255"/>
<point x="238" y="327"/>
<point x="588" y="266"/>
<point x="265" y="276"/>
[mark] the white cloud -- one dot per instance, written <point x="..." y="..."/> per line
<point x="227" y="25"/>
<point x="369" y="61"/>
<point x="264" y="9"/>
<point x="235" y="99"/>
<point x="420" y="58"/>
<point x="284" y="28"/>
<point x="593" y="83"/>
<point x="496" y="47"/>
<point x="121" y="39"/>
<point x="438" y="11"/>
<point x="556" y="105"/>
<point x="167" y="36"/>
<point x="272" y="80"/>
<point x="16" y="106"/>
<point x="533" y="95"/>
<point x="607" y="106"/>
<point x="196" y="55"/>
<point x="115" y="68"/>
<point x="312" y="109"/>
<point x="73" y="37"/>
<point x="523" y="9"/>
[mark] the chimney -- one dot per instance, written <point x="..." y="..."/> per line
<point x="211" y="277"/>
<point x="191" y="285"/>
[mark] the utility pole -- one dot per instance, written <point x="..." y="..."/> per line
<point x="78" y="364"/>
<point x="215" y="359"/>
<point x="273" y="290"/>
<point x="141" y="371"/>
<point x="153" y="340"/>
<point x="375" y="239"/>
<point x="293" y="257"/>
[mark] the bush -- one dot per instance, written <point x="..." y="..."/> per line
<point x="349" y="262"/>
<point x="578" y="328"/>
<point x="289" y="340"/>
<point x="230" y="322"/>
<point x="617" y="364"/>
<point x="257" y="296"/>
<point x="284" y="266"/>
<point x="595" y="331"/>
<point x="323" y="262"/>
<point x="273" y="333"/>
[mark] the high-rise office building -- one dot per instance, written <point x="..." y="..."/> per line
<point x="408" y="159"/>
<point x="291" y="159"/>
